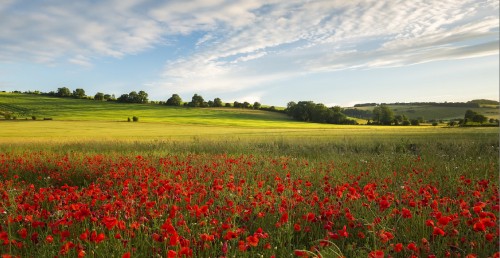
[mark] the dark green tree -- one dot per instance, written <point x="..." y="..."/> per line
<point x="383" y="115"/>
<point x="133" y="97"/>
<point x="217" y="102"/>
<point x="256" y="105"/>
<point x="196" y="101"/>
<point x="123" y="98"/>
<point x="237" y="104"/>
<point x="108" y="97"/>
<point x="79" y="93"/>
<point x="478" y="118"/>
<point x="63" y="92"/>
<point x="142" y="97"/>
<point x="175" y="100"/>
<point x="469" y="114"/>
<point x="99" y="96"/>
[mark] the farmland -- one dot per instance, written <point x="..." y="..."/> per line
<point x="240" y="183"/>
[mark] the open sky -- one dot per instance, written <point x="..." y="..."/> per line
<point x="336" y="52"/>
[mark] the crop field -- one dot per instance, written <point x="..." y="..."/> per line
<point x="83" y="187"/>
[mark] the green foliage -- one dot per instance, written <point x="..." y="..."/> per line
<point x="383" y="115"/>
<point x="63" y="92"/>
<point x="135" y="119"/>
<point x="256" y="105"/>
<point x="308" y="111"/>
<point x="134" y="97"/>
<point x="175" y="100"/>
<point x="197" y="101"/>
<point x="472" y="116"/>
<point x="217" y="102"/>
<point x="79" y="93"/>
<point x="99" y="96"/>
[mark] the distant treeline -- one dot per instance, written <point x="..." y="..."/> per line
<point x="308" y="111"/>
<point x="141" y="97"/>
<point x="469" y="104"/>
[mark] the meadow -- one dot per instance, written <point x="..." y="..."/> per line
<point x="96" y="186"/>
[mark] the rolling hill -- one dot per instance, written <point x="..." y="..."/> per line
<point x="27" y="105"/>
<point x="434" y="112"/>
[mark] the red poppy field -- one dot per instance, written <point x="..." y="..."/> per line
<point x="229" y="205"/>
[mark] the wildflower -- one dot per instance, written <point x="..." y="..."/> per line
<point x="252" y="240"/>
<point x="406" y="213"/>
<point x="398" y="247"/>
<point x="438" y="231"/>
<point x="376" y="254"/>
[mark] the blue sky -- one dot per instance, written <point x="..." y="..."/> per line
<point x="271" y="51"/>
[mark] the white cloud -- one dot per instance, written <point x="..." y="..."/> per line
<point x="248" y="43"/>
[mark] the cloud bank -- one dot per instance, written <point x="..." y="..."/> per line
<point x="241" y="44"/>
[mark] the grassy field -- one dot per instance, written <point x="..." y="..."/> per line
<point x="24" y="105"/>
<point x="239" y="183"/>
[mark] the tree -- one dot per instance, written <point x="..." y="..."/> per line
<point x="246" y="105"/>
<point x="142" y="97"/>
<point x="256" y="105"/>
<point x="133" y="97"/>
<point x="99" y="96"/>
<point x="108" y="97"/>
<point x="175" y="100"/>
<point x="469" y="114"/>
<point x="79" y="93"/>
<point x="217" y="102"/>
<point x="123" y="98"/>
<point x="383" y="115"/>
<point x="474" y="117"/>
<point x="196" y="101"/>
<point x="478" y="118"/>
<point x="63" y="92"/>
<point x="237" y="104"/>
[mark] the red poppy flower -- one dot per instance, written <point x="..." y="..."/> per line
<point x="376" y="254"/>
<point x="252" y="240"/>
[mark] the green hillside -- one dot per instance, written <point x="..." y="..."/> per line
<point x="26" y="105"/>
<point x="432" y="112"/>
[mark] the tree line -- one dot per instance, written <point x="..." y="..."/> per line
<point x="308" y="111"/>
<point x="141" y="97"/>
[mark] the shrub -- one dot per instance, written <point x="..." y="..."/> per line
<point x="434" y="123"/>
<point x="128" y="119"/>
<point x="415" y="122"/>
<point x="135" y="119"/>
<point x="33" y="117"/>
